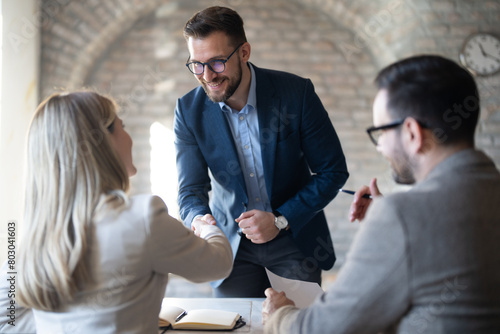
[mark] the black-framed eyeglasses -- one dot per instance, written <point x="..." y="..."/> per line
<point x="374" y="132"/>
<point x="216" y="65"/>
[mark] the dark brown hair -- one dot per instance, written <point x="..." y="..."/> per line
<point x="436" y="92"/>
<point x="213" y="19"/>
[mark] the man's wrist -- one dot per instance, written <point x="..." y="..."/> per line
<point x="280" y="221"/>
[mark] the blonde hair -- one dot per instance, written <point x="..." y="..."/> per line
<point x="72" y="169"/>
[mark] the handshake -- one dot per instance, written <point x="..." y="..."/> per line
<point x="200" y="221"/>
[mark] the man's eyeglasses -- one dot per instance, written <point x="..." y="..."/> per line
<point x="374" y="132"/>
<point x="217" y="65"/>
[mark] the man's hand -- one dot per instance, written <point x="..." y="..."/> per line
<point x="274" y="301"/>
<point x="198" y="222"/>
<point x="359" y="204"/>
<point x="258" y="226"/>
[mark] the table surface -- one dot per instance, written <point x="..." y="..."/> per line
<point x="249" y="308"/>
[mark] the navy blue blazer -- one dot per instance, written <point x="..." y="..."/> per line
<point x="303" y="162"/>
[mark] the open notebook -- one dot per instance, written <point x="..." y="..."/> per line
<point x="201" y="319"/>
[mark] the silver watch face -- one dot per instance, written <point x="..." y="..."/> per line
<point x="281" y="222"/>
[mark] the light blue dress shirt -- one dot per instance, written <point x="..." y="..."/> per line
<point x="244" y="127"/>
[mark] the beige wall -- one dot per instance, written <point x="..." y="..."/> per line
<point x="19" y="94"/>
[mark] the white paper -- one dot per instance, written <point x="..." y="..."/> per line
<point x="302" y="293"/>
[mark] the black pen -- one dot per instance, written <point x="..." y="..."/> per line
<point x="182" y="315"/>
<point x="240" y="231"/>
<point x="353" y="192"/>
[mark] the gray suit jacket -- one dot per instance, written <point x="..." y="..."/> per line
<point x="424" y="261"/>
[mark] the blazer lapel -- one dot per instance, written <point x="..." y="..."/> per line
<point x="268" y="108"/>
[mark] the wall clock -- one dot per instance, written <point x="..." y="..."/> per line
<point x="481" y="54"/>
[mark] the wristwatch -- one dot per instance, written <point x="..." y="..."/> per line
<point x="280" y="221"/>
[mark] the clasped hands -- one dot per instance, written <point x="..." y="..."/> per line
<point x="258" y="226"/>
<point x="198" y="223"/>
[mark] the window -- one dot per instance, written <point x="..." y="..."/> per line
<point x="163" y="168"/>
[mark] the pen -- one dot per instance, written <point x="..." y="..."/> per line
<point x="181" y="316"/>
<point x="240" y="232"/>
<point x="353" y="192"/>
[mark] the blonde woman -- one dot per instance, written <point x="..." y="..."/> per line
<point x="94" y="260"/>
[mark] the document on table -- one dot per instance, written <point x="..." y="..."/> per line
<point x="302" y="293"/>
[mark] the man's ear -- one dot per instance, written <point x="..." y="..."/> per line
<point x="414" y="137"/>
<point x="245" y="50"/>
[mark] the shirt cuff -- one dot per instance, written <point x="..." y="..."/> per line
<point x="282" y="321"/>
<point x="209" y="231"/>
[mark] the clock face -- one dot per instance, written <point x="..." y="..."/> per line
<point x="481" y="54"/>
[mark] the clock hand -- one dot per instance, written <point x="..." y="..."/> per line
<point x="488" y="55"/>
<point x="493" y="57"/>
<point x="482" y="51"/>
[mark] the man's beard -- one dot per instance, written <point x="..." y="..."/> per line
<point x="402" y="167"/>
<point x="232" y="86"/>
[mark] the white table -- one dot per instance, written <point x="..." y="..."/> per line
<point x="249" y="308"/>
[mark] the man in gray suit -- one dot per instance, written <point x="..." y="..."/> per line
<point x="426" y="260"/>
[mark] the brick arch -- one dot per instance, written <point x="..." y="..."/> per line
<point x="87" y="48"/>
<point x="76" y="33"/>
<point x="365" y="29"/>
<point x="387" y="29"/>
<point x="366" y="26"/>
<point x="105" y="37"/>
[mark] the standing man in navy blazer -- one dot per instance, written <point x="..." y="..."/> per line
<point x="257" y="155"/>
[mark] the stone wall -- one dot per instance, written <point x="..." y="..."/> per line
<point x="134" y="50"/>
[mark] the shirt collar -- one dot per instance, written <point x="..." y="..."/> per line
<point x="252" y="96"/>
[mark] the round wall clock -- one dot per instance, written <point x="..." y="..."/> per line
<point x="481" y="54"/>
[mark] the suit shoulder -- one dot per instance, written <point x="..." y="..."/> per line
<point x="192" y="93"/>
<point x="282" y="83"/>
<point x="195" y="97"/>
<point x="276" y="75"/>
